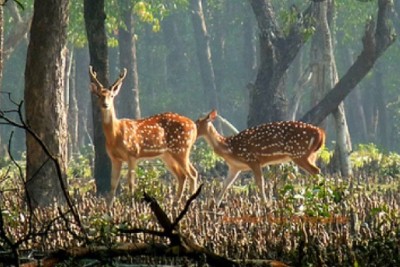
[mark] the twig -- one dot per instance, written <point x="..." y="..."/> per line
<point x="23" y="125"/>
<point x="186" y="208"/>
<point x="161" y="216"/>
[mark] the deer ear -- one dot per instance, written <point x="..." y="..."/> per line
<point x="94" y="89"/>
<point x="212" y="115"/>
<point x="115" y="88"/>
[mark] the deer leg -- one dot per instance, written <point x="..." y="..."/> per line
<point x="258" y="176"/>
<point x="230" y="179"/>
<point x="305" y="164"/>
<point x="115" y="175"/>
<point x="193" y="180"/>
<point x="174" y="167"/>
<point x="312" y="158"/>
<point x="188" y="170"/>
<point x="131" y="174"/>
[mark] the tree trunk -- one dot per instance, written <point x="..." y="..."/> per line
<point x="44" y="100"/>
<point x="19" y="31"/>
<point x="1" y="45"/>
<point x="2" y="147"/>
<point x="376" y="40"/>
<point x="204" y="54"/>
<point x="97" y="39"/>
<point x="325" y="76"/>
<point x="277" y="51"/>
<point x="249" y="52"/>
<point x="73" y="116"/>
<point x="357" y="117"/>
<point x="128" y="103"/>
<point x="220" y="22"/>
<point x="343" y="143"/>
<point x="83" y="97"/>
<point x="177" y="66"/>
<point x="381" y="133"/>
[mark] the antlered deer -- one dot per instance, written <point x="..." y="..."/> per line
<point x="266" y="144"/>
<point x="167" y="136"/>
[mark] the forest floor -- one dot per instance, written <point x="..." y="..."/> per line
<point x="309" y="221"/>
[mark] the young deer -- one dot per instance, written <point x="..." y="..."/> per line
<point x="167" y="136"/>
<point x="266" y="144"/>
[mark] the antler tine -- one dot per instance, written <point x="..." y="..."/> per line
<point x="122" y="76"/>
<point x="93" y="74"/>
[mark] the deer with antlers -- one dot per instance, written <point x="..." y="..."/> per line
<point x="266" y="144"/>
<point x="168" y="136"/>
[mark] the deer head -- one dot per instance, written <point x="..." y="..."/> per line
<point x="106" y="95"/>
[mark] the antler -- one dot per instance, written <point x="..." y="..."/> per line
<point x="93" y="75"/>
<point x="121" y="78"/>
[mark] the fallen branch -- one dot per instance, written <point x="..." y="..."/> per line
<point x="179" y="246"/>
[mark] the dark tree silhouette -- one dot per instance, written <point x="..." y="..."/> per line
<point x="97" y="39"/>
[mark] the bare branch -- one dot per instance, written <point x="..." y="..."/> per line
<point x="186" y="208"/>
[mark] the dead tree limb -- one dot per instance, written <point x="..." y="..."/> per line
<point x="179" y="246"/>
<point x="23" y="125"/>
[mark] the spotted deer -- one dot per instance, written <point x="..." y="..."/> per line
<point x="167" y="136"/>
<point x="266" y="144"/>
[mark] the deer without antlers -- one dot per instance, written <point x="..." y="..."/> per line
<point x="266" y="144"/>
<point x="167" y="136"/>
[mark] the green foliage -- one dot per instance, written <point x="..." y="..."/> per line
<point x="291" y="17"/>
<point x="204" y="157"/>
<point x="325" y="155"/>
<point x="150" y="12"/>
<point x="369" y="158"/>
<point x="390" y="165"/>
<point x="4" y="162"/>
<point x="79" y="167"/>
<point x="76" y="26"/>
<point x="319" y="198"/>
<point x="149" y="175"/>
<point x="102" y="229"/>
<point x="351" y="19"/>
<point x="333" y="214"/>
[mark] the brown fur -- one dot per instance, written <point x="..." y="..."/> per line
<point x="168" y="136"/>
<point x="262" y="145"/>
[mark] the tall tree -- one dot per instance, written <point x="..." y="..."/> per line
<point x="277" y="51"/>
<point x="381" y="128"/>
<point x="44" y="95"/>
<point x="1" y="43"/>
<point x="129" y="100"/>
<point x="177" y="67"/>
<point x="95" y="29"/>
<point x="203" y="50"/>
<point x="325" y="76"/>
<point x="377" y="38"/>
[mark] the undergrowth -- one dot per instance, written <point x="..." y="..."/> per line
<point x="323" y="220"/>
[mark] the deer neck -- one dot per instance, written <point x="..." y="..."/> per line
<point x="216" y="141"/>
<point x="110" y="123"/>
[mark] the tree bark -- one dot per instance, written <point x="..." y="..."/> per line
<point x="83" y="97"/>
<point x="325" y="76"/>
<point x="376" y="40"/>
<point x="379" y="107"/>
<point x="44" y="100"/>
<point x="357" y="117"/>
<point x="128" y="103"/>
<point x="1" y="45"/>
<point x="95" y="29"/>
<point x="73" y="111"/>
<point x="267" y="97"/>
<point x="204" y="54"/>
